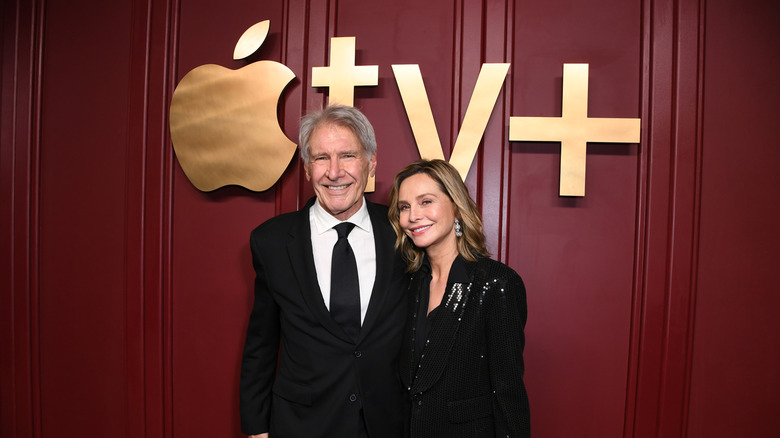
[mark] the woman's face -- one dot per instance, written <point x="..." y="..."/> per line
<point x="427" y="214"/>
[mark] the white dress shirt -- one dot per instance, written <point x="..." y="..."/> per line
<point x="361" y="239"/>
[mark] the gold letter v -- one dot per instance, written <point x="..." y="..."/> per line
<point x="418" y="109"/>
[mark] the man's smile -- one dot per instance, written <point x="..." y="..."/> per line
<point x="341" y="187"/>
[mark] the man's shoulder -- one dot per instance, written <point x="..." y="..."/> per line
<point x="375" y="206"/>
<point x="277" y="226"/>
<point x="376" y="211"/>
<point x="379" y="220"/>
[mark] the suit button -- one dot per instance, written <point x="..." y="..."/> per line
<point x="358" y="353"/>
<point x="352" y="397"/>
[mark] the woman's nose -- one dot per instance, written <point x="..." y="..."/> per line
<point x="414" y="214"/>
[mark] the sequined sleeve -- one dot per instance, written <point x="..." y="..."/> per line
<point x="506" y="319"/>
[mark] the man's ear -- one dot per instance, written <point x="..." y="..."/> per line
<point x="372" y="166"/>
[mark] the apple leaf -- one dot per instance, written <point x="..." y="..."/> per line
<point x="251" y="40"/>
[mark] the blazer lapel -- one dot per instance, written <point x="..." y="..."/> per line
<point x="301" y="256"/>
<point x="407" y="344"/>
<point x="442" y="337"/>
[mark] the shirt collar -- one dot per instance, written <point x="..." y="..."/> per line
<point x="458" y="271"/>
<point x="324" y="221"/>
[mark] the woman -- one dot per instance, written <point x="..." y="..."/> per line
<point x="462" y="356"/>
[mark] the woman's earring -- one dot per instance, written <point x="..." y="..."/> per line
<point x="458" y="228"/>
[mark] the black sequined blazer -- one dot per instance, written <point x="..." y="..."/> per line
<point x="469" y="381"/>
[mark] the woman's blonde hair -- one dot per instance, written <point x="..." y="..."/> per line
<point x="471" y="245"/>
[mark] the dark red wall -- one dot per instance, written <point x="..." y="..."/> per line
<point x="652" y="300"/>
<point x="736" y="340"/>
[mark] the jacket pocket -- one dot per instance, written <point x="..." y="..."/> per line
<point x="462" y="411"/>
<point x="293" y="392"/>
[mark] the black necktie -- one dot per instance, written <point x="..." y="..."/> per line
<point x="344" y="285"/>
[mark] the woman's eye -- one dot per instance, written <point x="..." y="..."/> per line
<point x="403" y="208"/>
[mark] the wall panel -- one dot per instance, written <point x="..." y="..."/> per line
<point x="684" y="116"/>
<point x="81" y="200"/>
<point x="148" y="227"/>
<point x="125" y="291"/>
<point x="576" y="254"/>
<point x="736" y="350"/>
<point x="211" y="273"/>
<point x="654" y="220"/>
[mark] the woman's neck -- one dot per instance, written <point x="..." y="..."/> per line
<point x="441" y="261"/>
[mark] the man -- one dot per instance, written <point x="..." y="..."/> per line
<point x="335" y="334"/>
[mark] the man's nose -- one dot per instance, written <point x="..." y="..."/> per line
<point x="335" y="169"/>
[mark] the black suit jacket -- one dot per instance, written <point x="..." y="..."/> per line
<point x="323" y="378"/>
<point x="469" y="381"/>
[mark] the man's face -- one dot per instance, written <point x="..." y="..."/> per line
<point x="338" y="170"/>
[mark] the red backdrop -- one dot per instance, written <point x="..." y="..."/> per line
<point x="652" y="300"/>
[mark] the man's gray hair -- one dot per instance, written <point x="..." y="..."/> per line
<point x="340" y="115"/>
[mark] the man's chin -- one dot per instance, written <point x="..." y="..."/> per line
<point x="336" y="205"/>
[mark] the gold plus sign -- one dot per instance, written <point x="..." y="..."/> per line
<point x="574" y="129"/>
<point x="342" y="76"/>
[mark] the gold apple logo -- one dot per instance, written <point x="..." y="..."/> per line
<point x="224" y="125"/>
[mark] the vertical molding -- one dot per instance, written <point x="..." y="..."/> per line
<point x="33" y="182"/>
<point x="495" y="152"/>
<point x="660" y="340"/>
<point x="697" y="192"/>
<point x="295" y="34"/>
<point x="162" y="310"/>
<point x="506" y="152"/>
<point x="313" y="31"/>
<point x="135" y="244"/>
<point x="158" y="216"/>
<point x="684" y="219"/>
<point x="640" y="237"/>
<point x="457" y="81"/>
<point x="483" y="34"/>
<point x="19" y="151"/>
<point x="148" y="219"/>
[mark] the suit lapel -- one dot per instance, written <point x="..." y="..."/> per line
<point x="441" y="337"/>
<point x="301" y="256"/>
<point x="385" y="263"/>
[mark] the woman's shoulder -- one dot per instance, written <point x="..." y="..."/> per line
<point x="495" y="279"/>
<point x="492" y="269"/>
